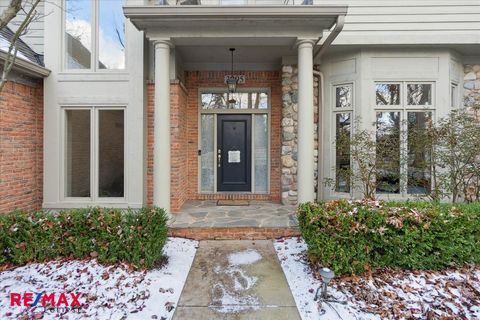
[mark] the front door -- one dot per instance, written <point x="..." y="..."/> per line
<point x="234" y="152"/>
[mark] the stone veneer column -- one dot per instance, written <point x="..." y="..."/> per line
<point x="306" y="132"/>
<point x="289" y="132"/>
<point x="161" y="130"/>
<point x="471" y="85"/>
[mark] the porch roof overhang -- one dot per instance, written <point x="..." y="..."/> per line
<point x="238" y="25"/>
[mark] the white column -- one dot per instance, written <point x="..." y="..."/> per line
<point x="305" y="138"/>
<point x="161" y="124"/>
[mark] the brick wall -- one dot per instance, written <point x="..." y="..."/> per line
<point x="179" y="174"/>
<point x="21" y="147"/>
<point x="184" y="135"/>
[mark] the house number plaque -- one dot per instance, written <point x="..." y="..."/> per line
<point x="234" y="156"/>
<point x="239" y="77"/>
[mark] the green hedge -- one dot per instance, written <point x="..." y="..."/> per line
<point x="111" y="235"/>
<point x="353" y="237"/>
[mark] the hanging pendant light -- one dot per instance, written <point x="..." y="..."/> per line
<point x="232" y="81"/>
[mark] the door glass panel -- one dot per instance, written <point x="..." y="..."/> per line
<point x="111" y="37"/>
<point x="388" y="152"/>
<point x="419" y="172"/>
<point x="77" y="164"/>
<point x="261" y="152"/>
<point x="342" y="152"/>
<point x="78" y="34"/>
<point x="207" y="153"/>
<point x="111" y="153"/>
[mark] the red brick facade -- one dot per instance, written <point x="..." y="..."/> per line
<point x="233" y="233"/>
<point x="21" y="147"/>
<point x="184" y="135"/>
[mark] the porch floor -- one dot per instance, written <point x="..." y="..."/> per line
<point x="258" y="214"/>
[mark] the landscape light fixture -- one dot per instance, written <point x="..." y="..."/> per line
<point x="327" y="275"/>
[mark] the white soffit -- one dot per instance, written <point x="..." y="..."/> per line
<point x="252" y="25"/>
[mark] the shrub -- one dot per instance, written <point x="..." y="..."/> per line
<point x="110" y="235"/>
<point x="354" y="237"/>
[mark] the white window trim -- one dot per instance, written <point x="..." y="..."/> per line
<point x="94" y="56"/>
<point x="252" y="112"/>
<point x="454" y="95"/>
<point x="94" y="151"/>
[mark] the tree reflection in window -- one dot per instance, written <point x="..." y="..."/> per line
<point x="342" y="152"/>
<point x="387" y="94"/>
<point x="88" y="22"/>
<point x="419" y="154"/>
<point x="111" y="35"/>
<point x="419" y="94"/>
<point x="343" y="96"/>
<point x="388" y="152"/>
<point x="236" y="100"/>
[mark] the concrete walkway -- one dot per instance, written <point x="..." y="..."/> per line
<point x="236" y="279"/>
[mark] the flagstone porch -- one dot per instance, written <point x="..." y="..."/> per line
<point x="203" y="220"/>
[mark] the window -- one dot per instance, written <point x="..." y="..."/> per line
<point x="388" y="152"/>
<point x="453" y="95"/>
<point x="94" y="153"/>
<point x="237" y="100"/>
<point x="419" y="173"/>
<point x="343" y="111"/>
<point x="94" y="34"/>
<point x="252" y="102"/>
<point x="78" y="123"/>
<point x="387" y="94"/>
<point x="403" y="112"/>
<point x="233" y="2"/>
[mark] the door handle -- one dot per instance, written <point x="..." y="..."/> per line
<point x="219" y="158"/>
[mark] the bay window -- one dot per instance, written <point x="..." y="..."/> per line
<point x="94" y="35"/>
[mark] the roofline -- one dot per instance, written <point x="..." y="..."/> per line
<point x="27" y="67"/>
<point x="226" y="12"/>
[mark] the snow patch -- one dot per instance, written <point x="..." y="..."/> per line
<point x="107" y="292"/>
<point x="245" y="257"/>
<point x="228" y="298"/>
<point x="387" y="295"/>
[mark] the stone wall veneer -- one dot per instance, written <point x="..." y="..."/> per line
<point x="289" y="133"/>
<point x="471" y="85"/>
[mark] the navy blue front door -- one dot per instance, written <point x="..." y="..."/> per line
<point x="234" y="152"/>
